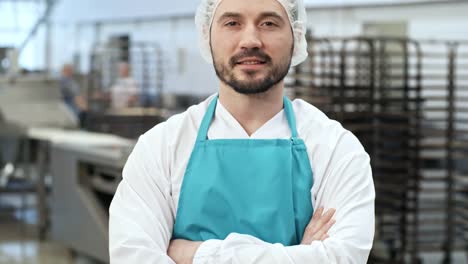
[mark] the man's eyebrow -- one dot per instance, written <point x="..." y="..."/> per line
<point x="262" y="16"/>
<point x="229" y="15"/>
<point x="271" y="14"/>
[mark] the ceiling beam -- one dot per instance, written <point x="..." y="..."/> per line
<point x="45" y="16"/>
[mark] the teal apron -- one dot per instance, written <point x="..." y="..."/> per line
<point x="258" y="187"/>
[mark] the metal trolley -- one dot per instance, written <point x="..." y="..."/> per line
<point x="407" y="101"/>
<point x="146" y="62"/>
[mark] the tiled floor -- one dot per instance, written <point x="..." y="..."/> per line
<point x="19" y="245"/>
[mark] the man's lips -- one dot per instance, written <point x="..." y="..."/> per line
<point x="250" y="61"/>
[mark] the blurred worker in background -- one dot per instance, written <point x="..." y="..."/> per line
<point x="124" y="93"/>
<point x="71" y="93"/>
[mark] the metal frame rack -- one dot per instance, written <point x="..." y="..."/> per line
<point x="407" y="101"/>
<point x="146" y="61"/>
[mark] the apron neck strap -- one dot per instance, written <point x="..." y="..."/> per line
<point x="288" y="110"/>
<point x="206" y="122"/>
<point x="208" y="117"/>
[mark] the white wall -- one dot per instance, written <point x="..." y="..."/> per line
<point x="87" y="10"/>
<point x="107" y="9"/>
<point x="16" y="21"/>
<point x="184" y="69"/>
<point x="187" y="72"/>
<point x="437" y="21"/>
<point x="330" y="3"/>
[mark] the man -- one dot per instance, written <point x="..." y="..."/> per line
<point x="124" y="93"/>
<point x="71" y="94"/>
<point x="245" y="176"/>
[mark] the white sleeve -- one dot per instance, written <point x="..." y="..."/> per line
<point x="347" y="186"/>
<point x="140" y="216"/>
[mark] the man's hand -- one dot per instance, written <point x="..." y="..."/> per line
<point x="182" y="251"/>
<point x="318" y="226"/>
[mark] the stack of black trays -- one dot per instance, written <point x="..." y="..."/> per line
<point x="407" y="101"/>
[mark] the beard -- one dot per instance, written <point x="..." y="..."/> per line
<point x="275" y="73"/>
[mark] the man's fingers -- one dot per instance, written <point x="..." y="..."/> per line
<point x="319" y="225"/>
<point x="316" y="224"/>
<point x="324" y="230"/>
<point x="328" y="215"/>
<point x="317" y="214"/>
<point x="320" y="234"/>
<point x="324" y="236"/>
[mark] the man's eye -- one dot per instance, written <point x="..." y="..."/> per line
<point x="231" y="24"/>
<point x="269" y="24"/>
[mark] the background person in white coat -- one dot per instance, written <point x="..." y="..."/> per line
<point x="237" y="178"/>
<point x="124" y="92"/>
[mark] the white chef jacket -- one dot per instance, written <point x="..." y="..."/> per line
<point x="121" y="91"/>
<point x="143" y="210"/>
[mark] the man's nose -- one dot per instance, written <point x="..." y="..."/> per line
<point x="250" y="38"/>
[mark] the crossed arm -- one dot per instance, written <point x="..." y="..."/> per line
<point x="183" y="251"/>
<point x="142" y="217"/>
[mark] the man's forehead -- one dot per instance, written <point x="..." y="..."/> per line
<point x="250" y="7"/>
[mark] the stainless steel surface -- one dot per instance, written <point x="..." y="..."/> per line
<point x="84" y="181"/>
<point x="25" y="103"/>
<point x="43" y="139"/>
<point x="33" y="102"/>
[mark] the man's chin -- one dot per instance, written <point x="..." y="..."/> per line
<point x="251" y="87"/>
<point x="250" y="76"/>
<point x="250" y="91"/>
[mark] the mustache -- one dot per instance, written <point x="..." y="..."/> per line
<point x="249" y="53"/>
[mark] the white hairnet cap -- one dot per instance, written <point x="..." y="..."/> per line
<point x="297" y="17"/>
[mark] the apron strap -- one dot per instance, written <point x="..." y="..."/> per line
<point x="208" y="117"/>
<point x="288" y="109"/>
<point x="206" y="122"/>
